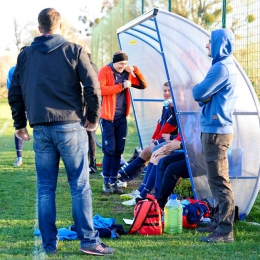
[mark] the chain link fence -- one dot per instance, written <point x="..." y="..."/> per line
<point x="241" y="16"/>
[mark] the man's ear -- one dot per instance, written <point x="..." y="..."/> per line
<point x="60" y="26"/>
<point x="40" y="29"/>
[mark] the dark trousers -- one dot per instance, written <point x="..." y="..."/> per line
<point x="113" y="144"/>
<point x="170" y="169"/>
<point x="215" y="148"/>
<point x="92" y="148"/>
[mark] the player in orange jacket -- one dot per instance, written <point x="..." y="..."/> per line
<point x="115" y="80"/>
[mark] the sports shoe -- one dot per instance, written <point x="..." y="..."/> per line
<point x="116" y="189"/>
<point x="92" y="169"/>
<point x="208" y="228"/>
<point x="101" y="249"/>
<point x="217" y="237"/>
<point x="121" y="184"/>
<point x="135" y="193"/>
<point x="107" y="189"/>
<point x="18" y="162"/>
<point x="52" y="252"/>
<point x="131" y="202"/>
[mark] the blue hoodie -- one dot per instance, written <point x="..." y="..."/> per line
<point x="217" y="93"/>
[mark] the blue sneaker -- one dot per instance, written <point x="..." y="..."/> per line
<point x="18" y="162"/>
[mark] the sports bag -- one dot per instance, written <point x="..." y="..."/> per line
<point x="147" y="217"/>
<point x="194" y="212"/>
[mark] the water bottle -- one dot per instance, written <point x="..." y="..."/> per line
<point x="173" y="216"/>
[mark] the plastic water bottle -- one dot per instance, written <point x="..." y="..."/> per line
<point x="173" y="216"/>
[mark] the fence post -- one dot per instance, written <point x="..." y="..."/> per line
<point x="142" y="6"/>
<point x="224" y="13"/>
<point x="169" y="5"/>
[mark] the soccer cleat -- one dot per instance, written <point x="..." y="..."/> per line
<point x="101" y="249"/>
<point x="18" y="162"/>
<point x="107" y="189"/>
<point x="92" y="169"/>
<point x="116" y="189"/>
<point x="217" y="237"/>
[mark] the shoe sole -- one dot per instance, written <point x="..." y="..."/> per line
<point x="93" y="253"/>
<point x="17" y="165"/>
<point x="213" y="241"/>
<point x="205" y="231"/>
<point x="107" y="192"/>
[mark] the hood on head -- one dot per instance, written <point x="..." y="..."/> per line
<point x="46" y="44"/>
<point x="222" y="44"/>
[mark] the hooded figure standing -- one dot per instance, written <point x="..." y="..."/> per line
<point x="217" y="95"/>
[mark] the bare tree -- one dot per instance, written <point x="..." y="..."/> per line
<point x="18" y="33"/>
<point x="89" y="23"/>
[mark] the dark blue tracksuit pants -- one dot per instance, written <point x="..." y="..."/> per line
<point x="113" y="144"/>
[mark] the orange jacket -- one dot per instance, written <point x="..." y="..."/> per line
<point x="109" y="89"/>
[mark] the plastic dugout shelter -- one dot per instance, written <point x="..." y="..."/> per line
<point x="168" y="47"/>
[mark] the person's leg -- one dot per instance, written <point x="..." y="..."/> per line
<point x="106" y="164"/>
<point x="108" y="147"/>
<point x="147" y="152"/>
<point x="133" y="167"/>
<point x="163" y="164"/>
<point x="156" y="160"/>
<point x="149" y="183"/>
<point x="47" y="166"/>
<point x="120" y="139"/>
<point x="75" y="160"/>
<point x="147" y="173"/>
<point x="92" y="151"/>
<point x="120" y="134"/>
<point x="215" y="148"/>
<point x="174" y="171"/>
<point x="19" y="150"/>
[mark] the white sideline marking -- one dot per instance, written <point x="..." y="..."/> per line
<point x="38" y="252"/>
<point x="5" y="126"/>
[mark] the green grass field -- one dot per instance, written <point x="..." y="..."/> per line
<point x="18" y="214"/>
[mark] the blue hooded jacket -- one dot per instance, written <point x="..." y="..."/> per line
<point x="218" y="92"/>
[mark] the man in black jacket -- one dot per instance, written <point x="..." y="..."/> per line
<point x="47" y="82"/>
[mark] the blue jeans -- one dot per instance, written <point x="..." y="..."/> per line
<point x="70" y="142"/>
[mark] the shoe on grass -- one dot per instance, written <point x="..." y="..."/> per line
<point x="130" y="202"/>
<point x="121" y="184"/>
<point x="92" y="169"/>
<point x="101" y="249"/>
<point x="208" y="228"/>
<point x="115" y="189"/>
<point x="107" y="189"/>
<point x="217" y="237"/>
<point x="135" y="193"/>
<point x="18" y="162"/>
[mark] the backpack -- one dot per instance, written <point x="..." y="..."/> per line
<point x="147" y="217"/>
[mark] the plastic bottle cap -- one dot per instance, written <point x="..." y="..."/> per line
<point x="173" y="197"/>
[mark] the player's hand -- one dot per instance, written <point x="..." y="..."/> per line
<point x="127" y="84"/>
<point x="90" y="126"/>
<point x="166" y="137"/>
<point x="130" y="69"/>
<point x="22" y="134"/>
